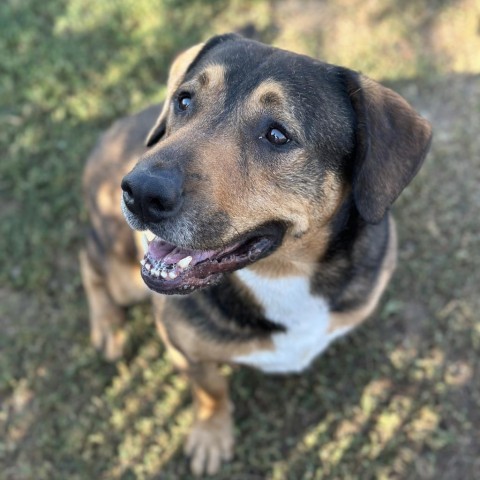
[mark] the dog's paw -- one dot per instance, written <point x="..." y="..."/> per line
<point x="114" y="346"/>
<point x="210" y="442"/>
<point x="108" y="340"/>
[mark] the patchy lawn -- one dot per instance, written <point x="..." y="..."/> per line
<point x="398" y="399"/>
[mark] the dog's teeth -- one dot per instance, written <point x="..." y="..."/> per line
<point x="173" y="275"/>
<point x="148" y="266"/>
<point x="149" y="235"/>
<point x="143" y="262"/>
<point x="164" y="273"/>
<point x="185" y="262"/>
<point x="145" y="243"/>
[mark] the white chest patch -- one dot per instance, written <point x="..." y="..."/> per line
<point x="306" y="318"/>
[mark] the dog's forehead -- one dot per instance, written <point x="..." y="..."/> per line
<point x="236" y="56"/>
<point x="246" y="64"/>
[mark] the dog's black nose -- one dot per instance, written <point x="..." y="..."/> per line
<point x="153" y="195"/>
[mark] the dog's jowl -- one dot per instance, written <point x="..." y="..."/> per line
<point x="262" y="188"/>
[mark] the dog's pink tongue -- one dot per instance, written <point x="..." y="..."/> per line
<point x="170" y="254"/>
<point x="159" y="249"/>
<point x="179" y="253"/>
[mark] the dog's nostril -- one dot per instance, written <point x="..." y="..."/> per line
<point x="128" y="191"/>
<point x="128" y="198"/>
<point x="158" y="206"/>
<point x="126" y="187"/>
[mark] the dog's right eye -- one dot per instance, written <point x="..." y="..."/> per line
<point x="184" y="101"/>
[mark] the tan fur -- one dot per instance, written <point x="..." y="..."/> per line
<point x="213" y="77"/>
<point x="106" y="318"/>
<point x="355" y="317"/>
<point x="177" y="71"/>
<point x="180" y="66"/>
<point x="211" y="438"/>
<point x="253" y="199"/>
<point x="210" y="93"/>
<point x="125" y="282"/>
<point x="300" y="250"/>
<point x="268" y="92"/>
<point x="196" y="347"/>
<point x="271" y="94"/>
<point x="107" y="198"/>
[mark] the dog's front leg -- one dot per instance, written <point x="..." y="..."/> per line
<point x="211" y="438"/>
<point x="107" y="318"/>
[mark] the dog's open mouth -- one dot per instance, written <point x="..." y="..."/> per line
<point x="170" y="269"/>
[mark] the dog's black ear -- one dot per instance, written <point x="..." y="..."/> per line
<point x="180" y="67"/>
<point x="158" y="130"/>
<point x="392" y="141"/>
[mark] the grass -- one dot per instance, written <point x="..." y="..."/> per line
<point x="398" y="399"/>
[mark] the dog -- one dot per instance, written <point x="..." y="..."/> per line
<point x="264" y="185"/>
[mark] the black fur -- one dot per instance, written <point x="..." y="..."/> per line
<point x="350" y="267"/>
<point x="391" y="144"/>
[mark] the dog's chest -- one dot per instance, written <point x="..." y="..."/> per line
<point x="306" y="318"/>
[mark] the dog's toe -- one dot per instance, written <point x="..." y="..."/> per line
<point x="115" y="345"/>
<point x="210" y="442"/>
<point x="97" y="337"/>
<point x="109" y="341"/>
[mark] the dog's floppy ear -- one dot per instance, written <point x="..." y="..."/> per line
<point x="392" y="141"/>
<point x="177" y="72"/>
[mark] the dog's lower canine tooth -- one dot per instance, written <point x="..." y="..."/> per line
<point x="145" y="243"/>
<point x="148" y="266"/>
<point x="185" y="262"/>
<point x="149" y="235"/>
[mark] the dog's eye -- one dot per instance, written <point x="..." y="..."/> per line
<point x="276" y="136"/>
<point x="184" y="100"/>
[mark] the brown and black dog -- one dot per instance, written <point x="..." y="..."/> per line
<point x="264" y="186"/>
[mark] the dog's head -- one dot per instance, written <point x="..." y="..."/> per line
<point x="254" y="153"/>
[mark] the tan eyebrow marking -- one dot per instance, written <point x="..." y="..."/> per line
<point x="272" y="95"/>
<point x="213" y="76"/>
<point x="179" y="68"/>
<point x="268" y="92"/>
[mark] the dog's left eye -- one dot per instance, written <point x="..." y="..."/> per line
<point x="276" y="136"/>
